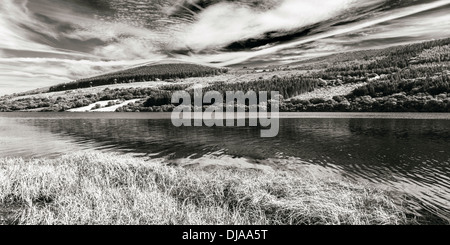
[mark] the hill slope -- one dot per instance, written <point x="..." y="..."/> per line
<point x="143" y="73"/>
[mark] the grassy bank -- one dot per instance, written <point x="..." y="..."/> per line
<point x="111" y="189"/>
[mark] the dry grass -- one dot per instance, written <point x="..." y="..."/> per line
<point x="112" y="189"/>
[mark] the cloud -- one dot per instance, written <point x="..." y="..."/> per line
<point x="239" y="57"/>
<point x="226" y="22"/>
<point x="423" y="26"/>
<point x="61" y="27"/>
<point x="121" y="41"/>
<point x="14" y="35"/>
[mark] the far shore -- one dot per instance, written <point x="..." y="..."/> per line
<point x="283" y="115"/>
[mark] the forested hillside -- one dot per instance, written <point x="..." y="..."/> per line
<point x="412" y="78"/>
<point x="409" y="78"/>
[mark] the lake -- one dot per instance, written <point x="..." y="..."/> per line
<point x="404" y="152"/>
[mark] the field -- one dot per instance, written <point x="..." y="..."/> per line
<point x="111" y="189"/>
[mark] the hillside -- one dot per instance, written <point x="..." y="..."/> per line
<point x="143" y="73"/>
<point x="408" y="78"/>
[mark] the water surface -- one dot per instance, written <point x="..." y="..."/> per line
<point x="407" y="153"/>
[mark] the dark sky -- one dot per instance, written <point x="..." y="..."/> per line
<point x="45" y="42"/>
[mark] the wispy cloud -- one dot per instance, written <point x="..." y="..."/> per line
<point x="14" y="16"/>
<point x="227" y="22"/>
<point x="239" y="57"/>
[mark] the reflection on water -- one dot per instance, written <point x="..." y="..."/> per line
<point x="411" y="156"/>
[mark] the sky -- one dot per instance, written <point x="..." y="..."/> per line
<point x="47" y="42"/>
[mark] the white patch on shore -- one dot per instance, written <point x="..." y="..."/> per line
<point x="113" y="108"/>
<point x="327" y="93"/>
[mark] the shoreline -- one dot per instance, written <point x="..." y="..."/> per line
<point x="98" y="188"/>
<point x="281" y="115"/>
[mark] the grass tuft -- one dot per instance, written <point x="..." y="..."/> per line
<point x="113" y="189"/>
